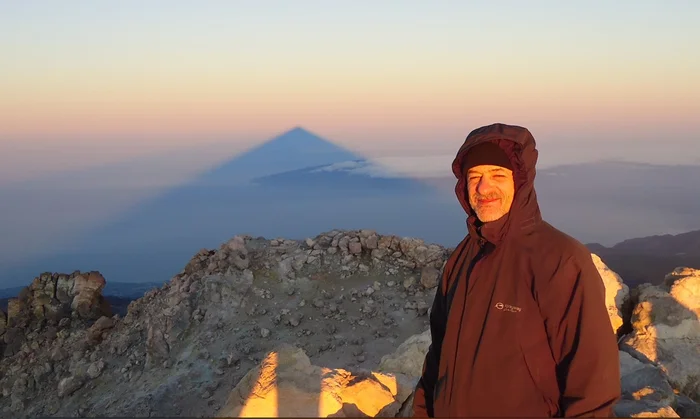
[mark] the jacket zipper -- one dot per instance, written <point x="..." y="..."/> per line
<point x="477" y="258"/>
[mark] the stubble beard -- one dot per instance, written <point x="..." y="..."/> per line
<point x="489" y="212"/>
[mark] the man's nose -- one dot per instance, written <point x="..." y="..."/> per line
<point x="484" y="186"/>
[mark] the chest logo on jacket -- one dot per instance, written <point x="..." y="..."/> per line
<point x="507" y="307"/>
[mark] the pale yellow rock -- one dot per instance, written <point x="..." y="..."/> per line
<point x="616" y="292"/>
<point x="684" y="286"/>
<point x="666" y="328"/>
<point x="286" y="384"/>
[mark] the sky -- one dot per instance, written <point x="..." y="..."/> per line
<point x="103" y="103"/>
<point x="89" y="83"/>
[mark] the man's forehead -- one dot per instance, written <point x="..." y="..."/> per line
<point x="485" y="168"/>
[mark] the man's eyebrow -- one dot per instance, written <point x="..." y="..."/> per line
<point x="495" y="169"/>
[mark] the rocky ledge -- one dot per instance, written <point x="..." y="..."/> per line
<point x="334" y="325"/>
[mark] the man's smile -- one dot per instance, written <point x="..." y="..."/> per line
<point x="488" y="201"/>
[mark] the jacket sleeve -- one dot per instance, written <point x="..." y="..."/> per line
<point x="423" y="397"/>
<point x="583" y="343"/>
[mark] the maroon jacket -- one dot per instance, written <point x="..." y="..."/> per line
<point x="519" y="324"/>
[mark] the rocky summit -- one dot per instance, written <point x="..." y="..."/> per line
<point x="334" y="325"/>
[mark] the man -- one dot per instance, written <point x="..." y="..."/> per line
<point x="519" y="324"/>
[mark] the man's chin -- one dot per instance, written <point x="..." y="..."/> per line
<point x="489" y="216"/>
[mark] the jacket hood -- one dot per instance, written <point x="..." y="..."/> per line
<point x="520" y="147"/>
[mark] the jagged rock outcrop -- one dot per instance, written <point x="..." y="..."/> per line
<point x="666" y="328"/>
<point x="52" y="297"/>
<point x="48" y="301"/>
<point x="286" y="384"/>
<point x="345" y="299"/>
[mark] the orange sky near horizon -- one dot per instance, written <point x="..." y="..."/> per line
<point x="87" y="114"/>
<point x="134" y="79"/>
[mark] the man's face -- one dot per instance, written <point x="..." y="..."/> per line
<point x="491" y="190"/>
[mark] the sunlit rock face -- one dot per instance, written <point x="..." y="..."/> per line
<point x="287" y="385"/>
<point x="666" y="328"/>
<point x="616" y="293"/>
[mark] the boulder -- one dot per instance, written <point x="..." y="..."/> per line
<point x="371" y="242"/>
<point x="408" y="360"/>
<point x="355" y="247"/>
<point x="684" y="286"/>
<point x="645" y="390"/>
<point x="617" y="294"/>
<point x="69" y="385"/>
<point x="409" y="356"/>
<point x="430" y="277"/>
<point x="88" y="301"/>
<point x="94" y="333"/>
<point x="236" y="252"/>
<point x="666" y="329"/>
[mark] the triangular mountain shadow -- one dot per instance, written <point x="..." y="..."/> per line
<point x="296" y="185"/>
<point x="294" y="149"/>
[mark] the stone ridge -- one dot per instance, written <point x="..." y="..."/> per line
<point x="351" y="251"/>
<point x="59" y="336"/>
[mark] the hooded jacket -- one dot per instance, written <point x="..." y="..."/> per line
<point x="519" y="324"/>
